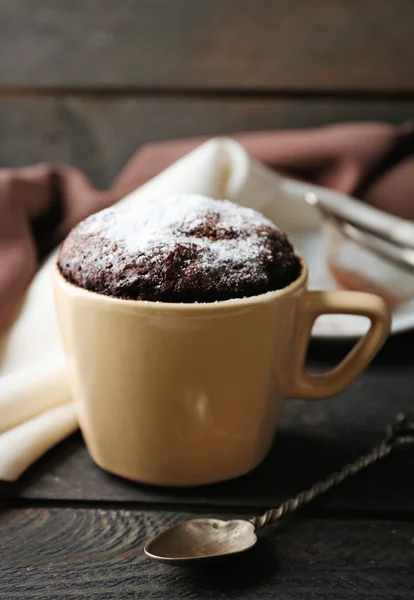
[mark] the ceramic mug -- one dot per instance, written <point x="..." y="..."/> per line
<point x="189" y="394"/>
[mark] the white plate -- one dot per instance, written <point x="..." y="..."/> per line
<point x="311" y="246"/>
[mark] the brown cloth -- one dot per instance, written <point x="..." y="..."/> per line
<point x="40" y="203"/>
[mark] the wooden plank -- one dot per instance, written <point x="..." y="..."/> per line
<point x="364" y="45"/>
<point x="98" y="554"/>
<point x="315" y="438"/>
<point x="99" y="135"/>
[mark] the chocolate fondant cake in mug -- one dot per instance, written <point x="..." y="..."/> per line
<point x="179" y="249"/>
<point x="186" y="322"/>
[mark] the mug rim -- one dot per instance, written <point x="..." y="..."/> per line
<point x="181" y="307"/>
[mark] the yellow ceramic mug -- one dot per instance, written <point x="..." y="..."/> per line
<point x="186" y="394"/>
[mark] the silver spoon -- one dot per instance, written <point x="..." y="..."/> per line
<point x="208" y="539"/>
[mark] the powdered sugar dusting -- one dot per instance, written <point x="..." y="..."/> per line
<point x="185" y="248"/>
<point x="157" y="227"/>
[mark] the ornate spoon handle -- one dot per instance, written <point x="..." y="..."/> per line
<point x="400" y="432"/>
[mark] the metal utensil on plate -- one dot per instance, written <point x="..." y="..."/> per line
<point x="209" y="539"/>
<point x="386" y="244"/>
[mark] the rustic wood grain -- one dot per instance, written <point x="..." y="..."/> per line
<point x="100" y="134"/>
<point x="98" y="555"/>
<point x="314" y="439"/>
<point x="267" y="44"/>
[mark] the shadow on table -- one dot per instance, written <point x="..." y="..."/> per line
<point x="234" y="574"/>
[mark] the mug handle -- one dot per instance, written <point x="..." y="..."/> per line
<point x="306" y="385"/>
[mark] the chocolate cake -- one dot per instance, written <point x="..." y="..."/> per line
<point x="184" y="248"/>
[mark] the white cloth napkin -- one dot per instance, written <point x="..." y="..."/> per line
<point x="36" y="411"/>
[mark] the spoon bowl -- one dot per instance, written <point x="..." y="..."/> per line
<point x="201" y="539"/>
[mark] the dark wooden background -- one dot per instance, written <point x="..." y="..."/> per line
<point x="87" y="82"/>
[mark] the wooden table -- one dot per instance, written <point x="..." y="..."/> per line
<point x="87" y="82"/>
